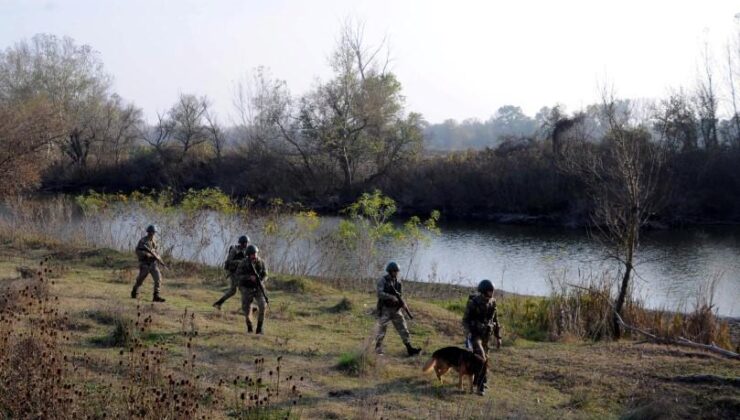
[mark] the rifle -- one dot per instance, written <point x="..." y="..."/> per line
<point x="259" y="282"/>
<point x="155" y="255"/>
<point x="405" y="307"/>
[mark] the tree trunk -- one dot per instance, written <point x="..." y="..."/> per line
<point x="622" y="297"/>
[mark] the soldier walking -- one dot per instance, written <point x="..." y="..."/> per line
<point x="236" y="253"/>
<point x="480" y="321"/>
<point x="251" y="275"/>
<point x="389" y="290"/>
<point x="149" y="260"/>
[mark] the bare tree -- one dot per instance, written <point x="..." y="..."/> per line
<point x="188" y="122"/>
<point x="125" y="119"/>
<point x="621" y="175"/>
<point x="26" y="131"/>
<point x="70" y="76"/>
<point x="216" y="134"/>
<point x="706" y="99"/>
<point x="158" y="136"/>
<point x="733" y="71"/>
<point x="269" y="123"/>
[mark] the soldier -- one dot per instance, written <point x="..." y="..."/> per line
<point x="149" y="260"/>
<point x="389" y="290"/>
<point x="251" y="274"/>
<point x="236" y="253"/>
<point x="480" y="321"/>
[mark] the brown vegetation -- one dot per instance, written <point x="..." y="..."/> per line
<point x="27" y="132"/>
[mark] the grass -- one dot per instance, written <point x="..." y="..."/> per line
<point x="317" y="333"/>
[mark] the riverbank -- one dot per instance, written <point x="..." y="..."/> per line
<point x="320" y="330"/>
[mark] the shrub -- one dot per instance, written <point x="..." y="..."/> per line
<point x="351" y="362"/>
<point x="344" y="305"/>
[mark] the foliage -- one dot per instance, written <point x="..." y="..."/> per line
<point x="26" y="130"/>
<point x="346" y="131"/>
<point x="207" y="199"/>
<point x="355" y="363"/>
<point x="96" y="122"/>
<point x="370" y="225"/>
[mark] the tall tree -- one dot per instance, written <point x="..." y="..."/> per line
<point x="352" y="128"/>
<point x="70" y="76"/>
<point x="706" y="102"/>
<point x="357" y="119"/>
<point x="676" y="122"/>
<point x="27" y="130"/>
<point x="189" y="125"/>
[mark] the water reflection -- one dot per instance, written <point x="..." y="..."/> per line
<point x="672" y="265"/>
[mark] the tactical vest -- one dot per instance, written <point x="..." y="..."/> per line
<point x="234" y="262"/>
<point x="246" y="270"/>
<point x="142" y="253"/>
<point x="388" y="288"/>
<point x="482" y="312"/>
<point x="389" y="283"/>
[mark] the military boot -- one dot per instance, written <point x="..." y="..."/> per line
<point x="158" y="298"/>
<point x="481" y="381"/>
<point x="412" y="351"/>
<point x="379" y="349"/>
<point x="218" y="304"/>
<point x="259" y="329"/>
<point x="249" y="326"/>
<point x="134" y="293"/>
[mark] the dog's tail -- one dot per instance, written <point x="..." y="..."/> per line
<point x="429" y="365"/>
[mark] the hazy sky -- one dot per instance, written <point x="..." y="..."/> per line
<point x="455" y="59"/>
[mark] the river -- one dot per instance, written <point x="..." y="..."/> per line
<point x="673" y="265"/>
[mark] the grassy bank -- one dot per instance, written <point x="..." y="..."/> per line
<point x="317" y="336"/>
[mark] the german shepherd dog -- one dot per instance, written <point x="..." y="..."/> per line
<point x="464" y="361"/>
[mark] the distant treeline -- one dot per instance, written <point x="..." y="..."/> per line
<point x="63" y="129"/>
<point x="522" y="185"/>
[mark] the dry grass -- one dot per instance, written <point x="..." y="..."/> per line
<point x="191" y="361"/>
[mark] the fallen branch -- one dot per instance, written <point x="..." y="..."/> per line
<point x="681" y="341"/>
<point x="708" y="379"/>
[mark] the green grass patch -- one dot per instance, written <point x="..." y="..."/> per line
<point x="290" y="284"/>
<point x="354" y="363"/>
<point x="457" y="306"/>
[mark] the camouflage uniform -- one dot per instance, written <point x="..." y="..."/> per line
<point x="247" y="274"/>
<point x="480" y="321"/>
<point x="147" y="264"/>
<point x="389" y="310"/>
<point x="236" y="253"/>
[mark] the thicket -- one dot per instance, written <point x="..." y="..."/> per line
<point x="522" y="185"/>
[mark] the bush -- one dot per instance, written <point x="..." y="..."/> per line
<point x="350" y="362"/>
<point x="356" y="363"/>
<point x="344" y="305"/>
<point x="290" y="284"/>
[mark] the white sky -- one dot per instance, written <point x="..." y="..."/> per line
<point x="455" y="59"/>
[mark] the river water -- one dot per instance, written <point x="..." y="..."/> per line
<point x="673" y="265"/>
